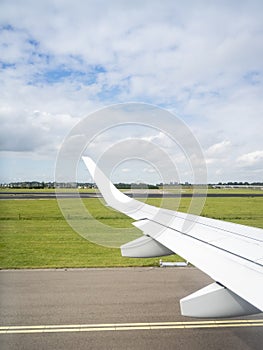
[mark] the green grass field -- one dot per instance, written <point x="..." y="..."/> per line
<point x="34" y="233"/>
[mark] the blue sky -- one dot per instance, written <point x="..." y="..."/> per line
<point x="61" y="60"/>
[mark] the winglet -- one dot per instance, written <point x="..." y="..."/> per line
<point x="111" y="194"/>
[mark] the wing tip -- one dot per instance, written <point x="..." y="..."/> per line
<point x="90" y="164"/>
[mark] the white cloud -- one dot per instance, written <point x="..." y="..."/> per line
<point x="251" y="159"/>
<point x="32" y="131"/>
<point x="149" y="170"/>
<point x="66" y="59"/>
<point x="218" y="148"/>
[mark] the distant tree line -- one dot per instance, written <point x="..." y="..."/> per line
<point x="120" y="185"/>
<point x="41" y="185"/>
<point x="235" y="183"/>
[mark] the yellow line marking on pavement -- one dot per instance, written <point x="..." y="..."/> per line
<point x="129" y="326"/>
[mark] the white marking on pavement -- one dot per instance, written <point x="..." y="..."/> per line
<point x="129" y="326"/>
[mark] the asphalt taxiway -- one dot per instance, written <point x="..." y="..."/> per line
<point x="142" y="194"/>
<point x="123" y="308"/>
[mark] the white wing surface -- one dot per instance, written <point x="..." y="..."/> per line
<point x="231" y="254"/>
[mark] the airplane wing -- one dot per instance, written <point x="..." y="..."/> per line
<point x="231" y="254"/>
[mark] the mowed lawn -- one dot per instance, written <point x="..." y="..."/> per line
<point x="34" y="233"/>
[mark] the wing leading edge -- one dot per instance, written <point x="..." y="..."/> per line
<point x="229" y="253"/>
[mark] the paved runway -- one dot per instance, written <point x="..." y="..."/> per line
<point x="66" y="195"/>
<point x="131" y="308"/>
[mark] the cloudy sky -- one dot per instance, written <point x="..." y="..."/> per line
<point x="62" y="60"/>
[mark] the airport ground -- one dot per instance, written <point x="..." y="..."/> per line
<point x="121" y="308"/>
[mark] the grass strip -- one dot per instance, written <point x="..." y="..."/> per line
<point x="34" y="233"/>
